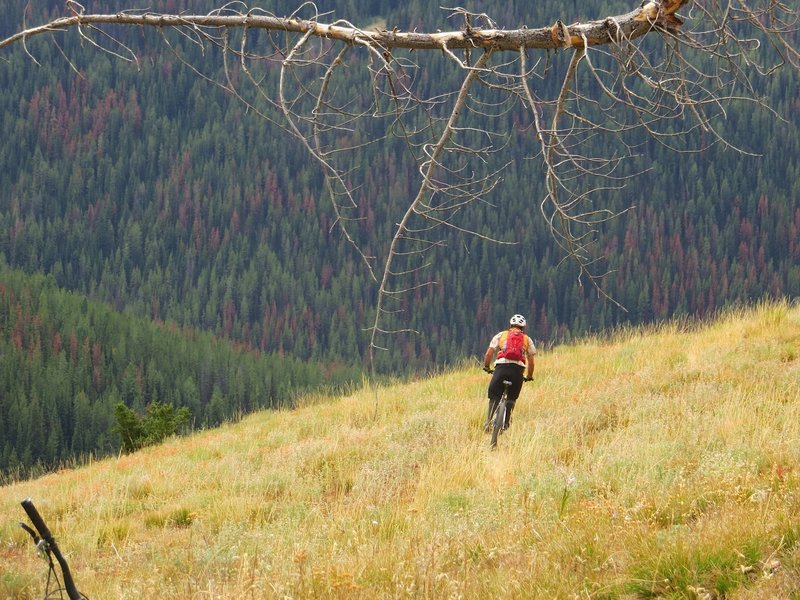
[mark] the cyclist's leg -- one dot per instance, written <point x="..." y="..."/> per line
<point x="513" y="373"/>
<point x="492" y="407"/>
<point x="509" y="410"/>
<point x="488" y="423"/>
<point x="494" y="393"/>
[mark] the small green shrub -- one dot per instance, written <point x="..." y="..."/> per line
<point x="159" y="422"/>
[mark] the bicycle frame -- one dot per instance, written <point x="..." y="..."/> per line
<point x="46" y="544"/>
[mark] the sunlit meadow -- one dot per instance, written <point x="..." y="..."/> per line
<point x="655" y="463"/>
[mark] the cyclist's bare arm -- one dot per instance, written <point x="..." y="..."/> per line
<point x="487" y="358"/>
<point x="529" y="367"/>
<point x="529" y="363"/>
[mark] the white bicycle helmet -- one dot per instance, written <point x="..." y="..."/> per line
<point x="517" y="321"/>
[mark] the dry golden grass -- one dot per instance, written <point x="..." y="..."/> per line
<point x="660" y="463"/>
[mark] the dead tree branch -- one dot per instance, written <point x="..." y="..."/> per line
<point x="650" y="73"/>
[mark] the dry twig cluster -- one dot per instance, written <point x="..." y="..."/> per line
<point x="650" y="70"/>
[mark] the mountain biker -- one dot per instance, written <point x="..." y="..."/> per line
<point x="514" y="362"/>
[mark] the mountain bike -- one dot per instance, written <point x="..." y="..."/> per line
<point x="497" y="415"/>
<point x="496" y="421"/>
<point x="47" y="547"/>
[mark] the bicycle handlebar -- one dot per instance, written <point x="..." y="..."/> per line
<point x="490" y="371"/>
<point x="45" y="534"/>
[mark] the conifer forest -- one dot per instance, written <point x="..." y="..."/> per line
<point x="162" y="242"/>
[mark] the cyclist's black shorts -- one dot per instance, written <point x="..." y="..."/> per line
<point x="512" y="373"/>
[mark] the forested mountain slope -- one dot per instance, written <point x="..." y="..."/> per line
<point x="66" y="362"/>
<point x="146" y="186"/>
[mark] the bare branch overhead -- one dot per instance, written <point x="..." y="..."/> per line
<point x="650" y="73"/>
<point x="651" y="15"/>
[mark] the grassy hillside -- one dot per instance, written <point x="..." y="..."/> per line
<point x="660" y="463"/>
